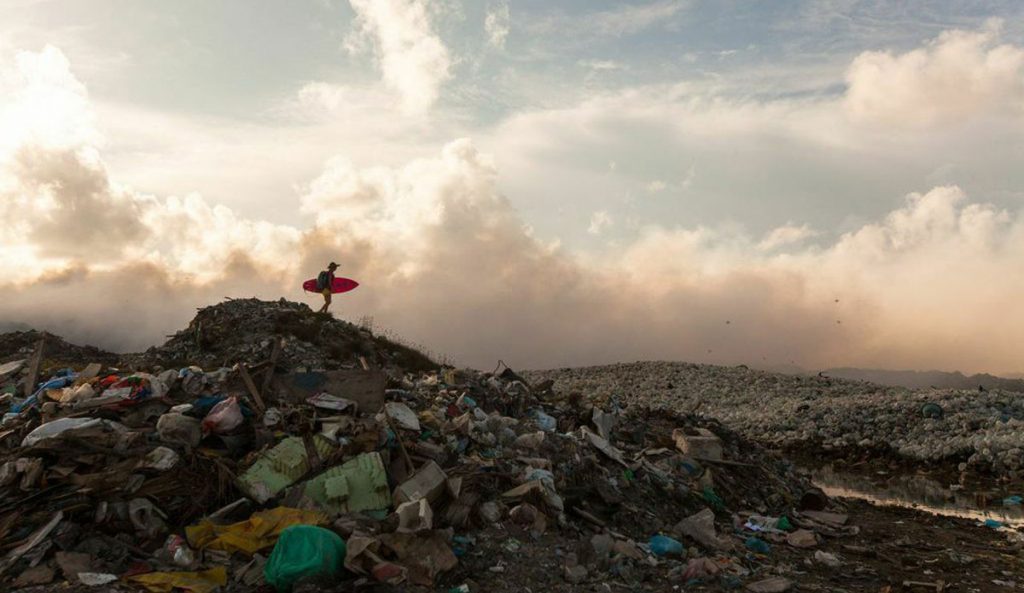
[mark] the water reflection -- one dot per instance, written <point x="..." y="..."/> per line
<point x="918" y="492"/>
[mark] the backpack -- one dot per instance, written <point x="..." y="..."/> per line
<point x="323" y="280"/>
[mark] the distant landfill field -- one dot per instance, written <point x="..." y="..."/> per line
<point x="911" y="379"/>
<point x="958" y="429"/>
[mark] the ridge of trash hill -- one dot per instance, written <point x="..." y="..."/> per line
<point x="245" y="330"/>
<point x="20" y="345"/>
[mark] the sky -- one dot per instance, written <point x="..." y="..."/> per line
<point x="826" y="183"/>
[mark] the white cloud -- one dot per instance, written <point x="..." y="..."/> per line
<point x="321" y="95"/>
<point x="691" y="174"/>
<point x="64" y="210"/>
<point x="630" y="19"/>
<point x="44" y="103"/>
<point x="497" y="24"/>
<point x="655" y="186"/>
<point x="602" y="64"/>
<point x="600" y="221"/>
<point x="956" y="76"/>
<point x="785" y="236"/>
<point x="414" y="61"/>
<point x="621" y="21"/>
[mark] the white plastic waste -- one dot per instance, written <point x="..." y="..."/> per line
<point x="403" y="415"/>
<point x="224" y="417"/>
<point x="63" y="425"/>
<point x="179" y="429"/>
<point x="160" y="459"/>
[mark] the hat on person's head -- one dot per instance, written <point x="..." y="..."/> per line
<point x="332" y="265"/>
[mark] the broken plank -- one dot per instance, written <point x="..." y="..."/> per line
<point x="724" y="462"/>
<point x="274" y="355"/>
<point x="32" y="541"/>
<point x="247" y="378"/>
<point x="33" y="368"/>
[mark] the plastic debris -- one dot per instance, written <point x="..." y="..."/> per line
<point x="225" y="417"/>
<point x="360" y="484"/>
<point x="206" y="581"/>
<point x="663" y="545"/>
<point x="826" y="558"/>
<point x="403" y="415"/>
<point x="304" y="551"/>
<point x="757" y="545"/>
<point x="771" y="585"/>
<point x="700" y="527"/>
<point x="65" y="427"/>
<point x="258" y="532"/>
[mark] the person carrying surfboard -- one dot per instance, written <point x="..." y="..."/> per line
<point x="324" y="282"/>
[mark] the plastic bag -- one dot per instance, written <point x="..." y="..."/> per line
<point x="67" y="427"/>
<point x="662" y="545"/>
<point x="224" y="417"/>
<point x="147" y="519"/>
<point x="544" y="421"/>
<point x="303" y="551"/>
<point x="179" y="429"/>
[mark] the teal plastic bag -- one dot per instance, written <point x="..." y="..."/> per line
<point x="304" y="551"/>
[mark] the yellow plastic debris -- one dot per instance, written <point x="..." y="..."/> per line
<point x="252" y="535"/>
<point x="194" y="582"/>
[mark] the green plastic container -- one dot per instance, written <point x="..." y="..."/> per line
<point x="304" y="551"/>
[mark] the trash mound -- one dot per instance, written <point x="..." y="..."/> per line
<point x="246" y="330"/>
<point x="19" y="345"/>
<point x="267" y="474"/>
<point x="965" y="430"/>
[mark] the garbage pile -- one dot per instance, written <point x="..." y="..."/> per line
<point x="977" y="431"/>
<point x="20" y="345"/>
<point x="243" y="330"/>
<point x="267" y="475"/>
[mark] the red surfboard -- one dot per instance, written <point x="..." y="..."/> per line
<point x="339" y="285"/>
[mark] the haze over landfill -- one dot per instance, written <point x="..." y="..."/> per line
<point x="810" y="183"/>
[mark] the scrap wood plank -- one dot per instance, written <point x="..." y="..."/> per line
<point x="33" y="368"/>
<point x="315" y="463"/>
<point x="274" y="355"/>
<point x="401" y="445"/>
<point x="32" y="541"/>
<point x="247" y="378"/>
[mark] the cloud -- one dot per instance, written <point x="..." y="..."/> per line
<point x="655" y="186"/>
<point x="600" y="221"/>
<point x="956" y="76"/>
<point x="786" y="235"/>
<point x="45" y="104"/>
<point x="621" y="21"/>
<point x="497" y="24"/>
<point x="437" y="246"/>
<point x="602" y="64"/>
<point x="630" y="19"/>
<point x="413" y="59"/>
<point x="320" y="95"/>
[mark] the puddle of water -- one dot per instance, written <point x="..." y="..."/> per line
<point x="918" y="492"/>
